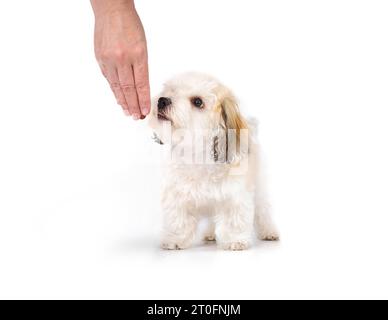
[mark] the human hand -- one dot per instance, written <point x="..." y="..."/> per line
<point x="121" y="51"/>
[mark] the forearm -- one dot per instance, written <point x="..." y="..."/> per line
<point x="103" y="7"/>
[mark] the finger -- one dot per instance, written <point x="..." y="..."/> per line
<point x="142" y="83"/>
<point x="110" y="73"/>
<point x="120" y="97"/>
<point x="127" y="85"/>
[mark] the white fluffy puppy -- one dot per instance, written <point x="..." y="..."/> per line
<point x="214" y="168"/>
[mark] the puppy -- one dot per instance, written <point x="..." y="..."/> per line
<point x="214" y="167"/>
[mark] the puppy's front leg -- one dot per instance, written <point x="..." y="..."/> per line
<point x="234" y="227"/>
<point x="179" y="228"/>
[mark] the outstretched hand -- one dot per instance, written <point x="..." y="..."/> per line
<point x="121" y="51"/>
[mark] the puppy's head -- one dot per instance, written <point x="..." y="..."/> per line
<point x="196" y="102"/>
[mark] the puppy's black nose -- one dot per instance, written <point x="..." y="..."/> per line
<point x="163" y="102"/>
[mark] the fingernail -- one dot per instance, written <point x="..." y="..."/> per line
<point x="144" y="111"/>
<point x="136" y="117"/>
<point x="142" y="117"/>
<point x="126" y="112"/>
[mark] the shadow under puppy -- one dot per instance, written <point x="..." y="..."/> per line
<point x="213" y="168"/>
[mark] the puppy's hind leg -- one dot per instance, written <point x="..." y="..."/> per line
<point x="210" y="232"/>
<point x="263" y="222"/>
<point x="264" y="225"/>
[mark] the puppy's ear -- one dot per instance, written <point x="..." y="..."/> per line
<point x="232" y="123"/>
<point x="231" y="115"/>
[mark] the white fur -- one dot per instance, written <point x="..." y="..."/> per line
<point x="235" y="202"/>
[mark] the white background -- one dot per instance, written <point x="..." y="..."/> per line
<point x="79" y="211"/>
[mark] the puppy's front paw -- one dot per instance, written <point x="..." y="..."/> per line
<point x="237" y="245"/>
<point x="172" y="245"/>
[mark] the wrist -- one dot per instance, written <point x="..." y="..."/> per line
<point x="102" y="8"/>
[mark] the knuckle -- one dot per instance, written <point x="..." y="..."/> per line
<point x="116" y="54"/>
<point x="127" y="88"/>
<point x="139" y="50"/>
<point x="115" y="87"/>
<point x="142" y="86"/>
<point x="104" y="55"/>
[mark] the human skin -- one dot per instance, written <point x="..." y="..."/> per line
<point x="121" y="51"/>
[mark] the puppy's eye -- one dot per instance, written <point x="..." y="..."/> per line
<point x="197" y="102"/>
